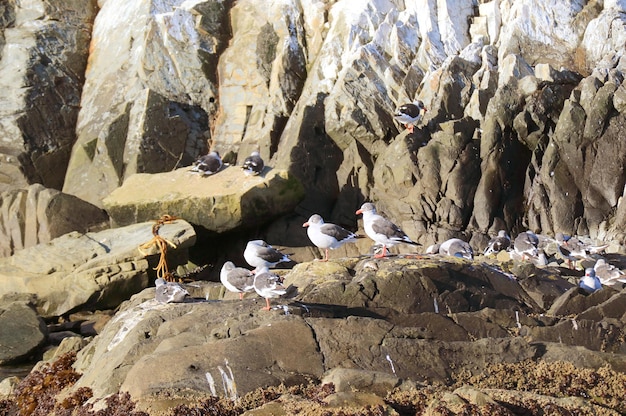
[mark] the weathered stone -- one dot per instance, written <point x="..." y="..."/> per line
<point x="526" y="34"/>
<point x="584" y="333"/>
<point x="37" y="215"/>
<point x="92" y="270"/>
<point x="144" y="109"/>
<point x="346" y="380"/>
<point x="22" y="332"/>
<point x="221" y="202"/>
<point x="43" y="51"/>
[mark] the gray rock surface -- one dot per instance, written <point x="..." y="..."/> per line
<point x="92" y="270"/>
<point x="37" y="215"/>
<point x="21" y="331"/>
<point x="360" y="338"/>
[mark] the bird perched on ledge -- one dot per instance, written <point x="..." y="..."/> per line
<point x="327" y="236"/>
<point x="268" y="285"/>
<point x="381" y="230"/>
<point x="208" y="164"/>
<point x="237" y="279"/>
<point x="410" y="114"/>
<point x="169" y="292"/>
<point x="260" y="254"/>
<point x="253" y="164"/>
<point x="501" y="242"/>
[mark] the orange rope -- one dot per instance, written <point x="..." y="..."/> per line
<point x="161" y="243"/>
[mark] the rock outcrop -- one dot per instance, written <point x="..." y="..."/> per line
<point x="22" y="332"/>
<point x="37" y="215"/>
<point x="393" y="320"/>
<point x="525" y="111"/>
<point x="225" y="201"/>
<point x="92" y="270"/>
<point x="44" y="49"/>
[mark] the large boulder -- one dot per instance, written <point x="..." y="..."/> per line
<point x="221" y="202"/>
<point x="91" y="270"/>
<point x="37" y="215"/>
<point x="43" y="55"/>
<point x="21" y="331"/>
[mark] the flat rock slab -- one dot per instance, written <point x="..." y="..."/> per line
<point x="89" y="271"/>
<point x="221" y="202"/>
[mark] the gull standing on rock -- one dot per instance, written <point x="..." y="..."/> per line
<point x="608" y="274"/>
<point x="327" y="236"/>
<point x="253" y="164"/>
<point x="208" y="164"/>
<point x="237" y="279"/>
<point x="268" y="285"/>
<point x="570" y="249"/>
<point x="590" y="282"/>
<point x="501" y="242"/>
<point x="259" y="254"/>
<point x="169" y="292"/>
<point x="381" y="230"/>
<point x="410" y="114"/>
<point x="457" y="248"/>
<point x="525" y="245"/>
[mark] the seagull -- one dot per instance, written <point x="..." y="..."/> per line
<point x="457" y="248"/>
<point x="268" y="285"/>
<point x="208" y="164"/>
<point x="525" y="244"/>
<point x="608" y="274"/>
<point x="381" y="230"/>
<point x="570" y="248"/>
<point x="327" y="236"/>
<point x="410" y="114"/>
<point x="253" y="164"/>
<point x="169" y="292"/>
<point x="237" y="279"/>
<point x="501" y="242"/>
<point x="260" y="254"/>
<point x="590" y="282"/>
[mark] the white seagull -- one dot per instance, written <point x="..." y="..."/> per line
<point x="590" y="282"/>
<point x="410" y="114"/>
<point x="208" y="164"/>
<point x="525" y="245"/>
<point x="259" y="254"/>
<point x="570" y="248"/>
<point x="608" y="274"/>
<point x="169" y="292"/>
<point x="253" y="164"/>
<point x="327" y="236"/>
<point x="381" y="230"/>
<point x="237" y="279"/>
<point x="457" y="248"/>
<point x="268" y="285"/>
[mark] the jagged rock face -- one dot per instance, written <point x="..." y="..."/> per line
<point x="149" y="94"/>
<point x="48" y="45"/>
<point x="508" y="141"/>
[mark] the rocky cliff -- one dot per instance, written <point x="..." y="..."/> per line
<point x="526" y="104"/>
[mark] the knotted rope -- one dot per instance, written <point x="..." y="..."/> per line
<point x="161" y="243"/>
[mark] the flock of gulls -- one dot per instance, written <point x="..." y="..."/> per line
<point x="385" y="234"/>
